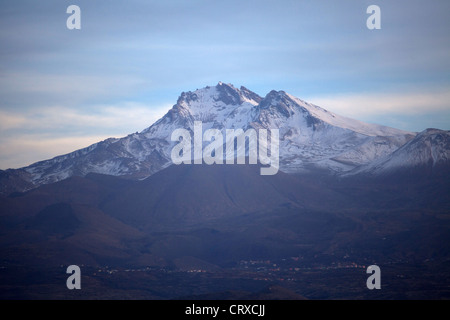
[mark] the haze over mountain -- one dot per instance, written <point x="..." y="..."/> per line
<point x="311" y="138"/>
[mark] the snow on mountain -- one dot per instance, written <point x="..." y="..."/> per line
<point x="430" y="148"/>
<point x="310" y="137"/>
<point x="222" y="106"/>
<point x="139" y="155"/>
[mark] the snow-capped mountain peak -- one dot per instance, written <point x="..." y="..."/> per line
<point x="210" y="98"/>
<point x="287" y="105"/>
<point x="429" y="149"/>
<point x="221" y="106"/>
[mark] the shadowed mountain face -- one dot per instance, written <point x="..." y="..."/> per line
<point x="172" y="203"/>
<point x="192" y="194"/>
<point x="55" y="219"/>
<point x="228" y="221"/>
<point x="220" y="214"/>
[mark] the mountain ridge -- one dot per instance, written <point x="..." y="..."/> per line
<point x="428" y="150"/>
<point x="311" y="138"/>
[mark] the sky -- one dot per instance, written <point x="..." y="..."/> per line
<point x="62" y="90"/>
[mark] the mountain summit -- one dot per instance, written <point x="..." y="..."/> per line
<point x="311" y="138"/>
<point x="428" y="151"/>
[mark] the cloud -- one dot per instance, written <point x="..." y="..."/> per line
<point x="122" y="118"/>
<point x="9" y="120"/>
<point x="374" y="104"/>
<point x="27" y="149"/>
<point x="36" y="87"/>
<point x="410" y="111"/>
<point x="32" y="136"/>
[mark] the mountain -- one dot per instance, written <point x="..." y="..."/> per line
<point x="348" y="194"/>
<point x="205" y="230"/>
<point x="190" y="216"/>
<point x="311" y="138"/>
<point x="187" y="195"/>
<point x="428" y="152"/>
<point x="314" y="138"/>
